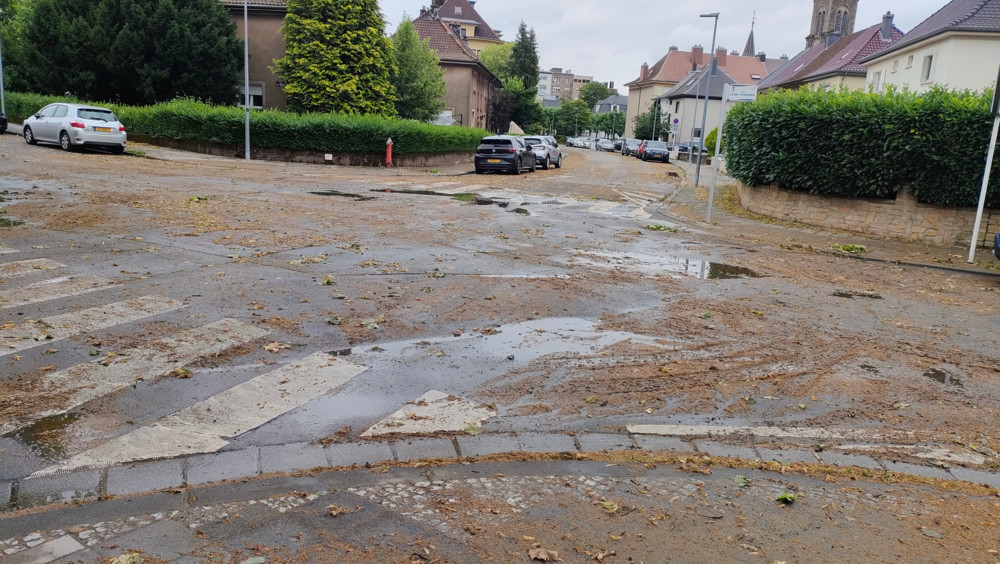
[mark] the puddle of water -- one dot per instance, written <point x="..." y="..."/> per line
<point x="521" y="211"/>
<point x="649" y="264"/>
<point x="852" y="295"/>
<point x="943" y="376"/>
<point x="355" y="197"/>
<point x="10" y="222"/>
<point x="45" y="436"/>
<point x="871" y="368"/>
<point x="422" y="193"/>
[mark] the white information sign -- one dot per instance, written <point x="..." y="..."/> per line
<point x="743" y="93"/>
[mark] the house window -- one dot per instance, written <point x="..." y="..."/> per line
<point x="877" y="82"/>
<point x="841" y="23"/>
<point x="458" y="10"/>
<point x="909" y="61"/>
<point x="820" y="21"/>
<point x="925" y="73"/>
<point x="256" y="96"/>
<point x="677" y="107"/>
<point x="895" y="65"/>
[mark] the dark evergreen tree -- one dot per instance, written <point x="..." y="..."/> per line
<point x="419" y="84"/>
<point x="337" y="58"/>
<point x="524" y="57"/>
<point x="132" y="51"/>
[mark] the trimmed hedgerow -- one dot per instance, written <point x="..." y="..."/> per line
<point x="866" y="145"/>
<point x="188" y="119"/>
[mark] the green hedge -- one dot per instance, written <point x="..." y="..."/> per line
<point x="866" y="145"/>
<point x="187" y="119"/>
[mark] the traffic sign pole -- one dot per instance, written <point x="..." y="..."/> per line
<point x="726" y="89"/>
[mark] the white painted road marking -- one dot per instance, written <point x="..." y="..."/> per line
<point x="433" y="412"/>
<point x="5" y="249"/>
<point x="22" y="267"/>
<point x="77" y="385"/>
<point x="53" y="289"/>
<point x="53" y="551"/>
<point x="30" y="334"/>
<point x="204" y="426"/>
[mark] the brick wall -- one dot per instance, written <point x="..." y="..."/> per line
<point x="902" y="218"/>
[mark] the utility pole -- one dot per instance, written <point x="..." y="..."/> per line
<point x="3" y="102"/>
<point x="246" y="81"/>
<point x="708" y="94"/>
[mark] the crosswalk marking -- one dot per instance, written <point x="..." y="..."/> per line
<point x="433" y="412"/>
<point x="53" y="289"/>
<point x="29" y="334"/>
<point x="5" y="249"/>
<point x="204" y="426"/>
<point x="75" y="386"/>
<point x="22" y="267"/>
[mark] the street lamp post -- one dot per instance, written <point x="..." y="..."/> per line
<point x="246" y="82"/>
<point x="708" y="93"/>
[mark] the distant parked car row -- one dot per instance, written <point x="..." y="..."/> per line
<point x="510" y="153"/>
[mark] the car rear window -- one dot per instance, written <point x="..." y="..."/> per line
<point x="532" y="141"/>
<point x="496" y="142"/>
<point x="100" y="115"/>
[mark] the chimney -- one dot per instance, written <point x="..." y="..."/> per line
<point x="436" y="4"/>
<point x="832" y="38"/>
<point x="672" y="48"/>
<point x="887" y="26"/>
<point x="697" y="52"/>
<point x="644" y="72"/>
<point x="762" y="57"/>
<point x="720" y="56"/>
<point x="472" y="2"/>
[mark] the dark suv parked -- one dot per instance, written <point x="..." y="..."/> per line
<point x="504" y="152"/>
<point x="3" y="124"/>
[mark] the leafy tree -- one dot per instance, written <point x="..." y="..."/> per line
<point x="337" y="58"/>
<point x="501" y="110"/>
<point x="497" y="59"/>
<point x="549" y="120"/>
<point x="710" y="142"/>
<point x="652" y="123"/>
<point x="573" y="117"/>
<point x="131" y="51"/>
<point x="611" y="123"/>
<point x="524" y="57"/>
<point x="594" y="92"/>
<point x="419" y="85"/>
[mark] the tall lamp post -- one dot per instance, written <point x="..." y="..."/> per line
<point x="708" y="94"/>
<point x="246" y="82"/>
<point x="3" y="102"/>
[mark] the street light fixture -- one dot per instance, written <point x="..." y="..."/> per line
<point x="708" y="93"/>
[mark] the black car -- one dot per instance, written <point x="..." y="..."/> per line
<point x="686" y="148"/>
<point x="630" y="146"/>
<point x="3" y="123"/>
<point x="504" y="153"/>
<point x="656" y="151"/>
<point x="996" y="246"/>
<point x="618" y="144"/>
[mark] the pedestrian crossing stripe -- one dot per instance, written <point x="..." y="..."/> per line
<point x="5" y="249"/>
<point x="22" y="267"/>
<point x="79" y="384"/>
<point x="53" y="289"/>
<point x="205" y="426"/>
<point x="433" y="412"/>
<point x="30" y="334"/>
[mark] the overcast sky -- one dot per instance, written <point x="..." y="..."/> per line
<point x="610" y="39"/>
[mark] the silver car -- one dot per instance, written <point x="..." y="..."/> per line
<point x="545" y="152"/>
<point x="76" y="125"/>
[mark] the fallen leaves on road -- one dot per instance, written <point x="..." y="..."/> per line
<point x="543" y="555"/>
<point x="336" y="510"/>
<point x="276" y="347"/>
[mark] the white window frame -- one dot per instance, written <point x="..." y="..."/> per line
<point x="927" y="69"/>
<point x="256" y="90"/>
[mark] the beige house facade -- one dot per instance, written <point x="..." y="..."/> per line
<point x="267" y="44"/>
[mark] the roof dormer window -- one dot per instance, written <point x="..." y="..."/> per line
<point x="458" y="10"/>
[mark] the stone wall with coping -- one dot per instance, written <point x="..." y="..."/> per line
<point x="312" y="157"/>
<point x="902" y="218"/>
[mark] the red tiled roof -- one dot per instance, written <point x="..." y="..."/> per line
<point x="462" y="10"/>
<point x="447" y="45"/>
<point x="676" y="65"/>
<point x="276" y="3"/>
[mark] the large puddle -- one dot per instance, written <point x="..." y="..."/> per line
<point x="665" y="265"/>
<point x="45" y="436"/>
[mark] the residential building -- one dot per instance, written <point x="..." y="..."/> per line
<point x="470" y="85"/>
<point x="685" y="104"/>
<point x="266" y="45"/>
<point x="613" y="103"/>
<point x="578" y="83"/>
<point x="466" y="21"/>
<point x="831" y="17"/>
<point x="561" y="84"/>
<point x="676" y="65"/>
<point x="957" y="47"/>
<point x="837" y="63"/>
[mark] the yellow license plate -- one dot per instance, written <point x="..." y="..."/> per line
<point x="492" y="160"/>
<point x="103" y="129"/>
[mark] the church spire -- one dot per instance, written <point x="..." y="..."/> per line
<point x="750" y="50"/>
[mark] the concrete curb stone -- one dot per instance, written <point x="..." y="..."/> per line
<point x="786" y="456"/>
<point x="291" y="457"/>
<point x="219" y="466"/>
<point x="142" y="477"/>
<point x="925" y="471"/>
<point x="59" y="487"/>
<point x="545" y="442"/>
<point x="599" y="442"/>
<point x="417" y="448"/>
<point x="719" y="449"/>
<point x="975" y="476"/>
<point x="346" y="454"/>
<point x="481" y="445"/>
<point x="659" y="442"/>
<point x="839" y="459"/>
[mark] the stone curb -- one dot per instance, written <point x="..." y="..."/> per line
<point x="155" y="475"/>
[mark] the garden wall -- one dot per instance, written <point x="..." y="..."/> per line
<point x="902" y="218"/>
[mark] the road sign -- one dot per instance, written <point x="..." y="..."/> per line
<point x="743" y="93"/>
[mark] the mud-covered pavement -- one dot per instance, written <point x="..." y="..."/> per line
<point x="141" y="293"/>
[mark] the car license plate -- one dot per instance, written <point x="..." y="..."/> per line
<point x="492" y="160"/>
<point x="103" y="129"/>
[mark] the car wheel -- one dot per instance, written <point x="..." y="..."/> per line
<point x="479" y="171"/>
<point x="545" y="164"/>
<point x="559" y="162"/>
<point x="64" y="142"/>
<point x="534" y="165"/>
<point x="517" y="166"/>
<point x="29" y="137"/>
<point x="118" y="150"/>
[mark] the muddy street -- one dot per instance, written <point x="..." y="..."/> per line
<point x="329" y="305"/>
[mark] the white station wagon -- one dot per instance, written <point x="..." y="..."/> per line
<point x="75" y="125"/>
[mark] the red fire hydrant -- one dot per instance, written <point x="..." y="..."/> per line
<point x="388" y="153"/>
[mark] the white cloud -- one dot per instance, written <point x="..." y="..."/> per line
<point x="610" y="40"/>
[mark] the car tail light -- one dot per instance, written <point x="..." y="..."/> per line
<point x="77" y="124"/>
<point x="512" y="150"/>
<point x="121" y="128"/>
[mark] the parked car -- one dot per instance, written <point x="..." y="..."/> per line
<point x="552" y="140"/>
<point x="545" y="152"/>
<point x="996" y="246"/>
<point x="630" y="146"/>
<point x="686" y="148"/>
<point x="3" y="123"/>
<point x="76" y="125"/>
<point x="618" y="144"/>
<point x="638" y="150"/>
<point x="605" y="145"/>
<point x="656" y="150"/>
<point x="504" y="153"/>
